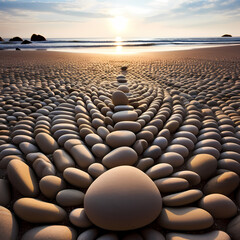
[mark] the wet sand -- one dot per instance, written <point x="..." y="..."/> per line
<point x="91" y="151"/>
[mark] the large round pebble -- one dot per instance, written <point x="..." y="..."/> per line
<point x="46" y="143"/>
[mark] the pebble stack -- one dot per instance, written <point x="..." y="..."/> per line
<point x="122" y="154"/>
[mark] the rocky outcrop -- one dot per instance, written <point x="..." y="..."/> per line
<point x="36" y="37"/>
<point x="26" y="42"/>
<point x="1" y="39"/>
<point x="227" y="35"/>
<point x="16" y="39"/>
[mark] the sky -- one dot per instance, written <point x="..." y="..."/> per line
<point x="119" y="18"/>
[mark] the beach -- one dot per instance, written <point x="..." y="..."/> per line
<point x="120" y="146"/>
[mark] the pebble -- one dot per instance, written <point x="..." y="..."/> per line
<point x="182" y="198"/>
<point x="233" y="228"/>
<point x="114" y="194"/>
<point x="140" y="145"/>
<point x="120" y="138"/>
<point x="153" y="151"/>
<point x="186" y="134"/>
<point x="171" y="184"/>
<point x="151" y="234"/>
<point x="37" y="211"/>
<point x="77" y="177"/>
<point x="119" y="98"/>
<point x="62" y="160"/>
<point x="207" y="150"/>
<point x="218" y="205"/>
<point x="96" y="169"/>
<point x="100" y="150"/>
<point x="128" y="125"/>
<point x="224" y="183"/>
<point x="172" y="158"/>
<point x="185" y="219"/>
<point x="178" y="148"/>
<point x="213" y="235"/>
<point x="5" y="196"/>
<point x="22" y="177"/>
<point x="145" y="163"/>
<point x="192" y="177"/>
<point x="162" y="142"/>
<point x="53" y="232"/>
<point x="229" y="164"/>
<point x="46" y="143"/>
<point x="82" y="156"/>
<point x="8" y="225"/>
<point x="102" y="132"/>
<point x="69" y="197"/>
<point x="92" y="139"/>
<point x="172" y="126"/>
<point x="160" y="170"/>
<point x="124" y="116"/>
<point x="90" y="234"/>
<point x="79" y="218"/>
<point x="120" y="156"/>
<point x="204" y="165"/>
<point x="51" y="185"/>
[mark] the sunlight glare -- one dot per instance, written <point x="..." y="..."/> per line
<point x="119" y="23"/>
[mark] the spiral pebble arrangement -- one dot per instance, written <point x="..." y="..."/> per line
<point x="91" y="151"/>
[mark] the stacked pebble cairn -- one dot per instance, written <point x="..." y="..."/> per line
<point x="121" y="160"/>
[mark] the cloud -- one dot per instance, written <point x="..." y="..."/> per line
<point x="75" y="10"/>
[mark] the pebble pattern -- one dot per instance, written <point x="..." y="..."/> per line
<point x="74" y="142"/>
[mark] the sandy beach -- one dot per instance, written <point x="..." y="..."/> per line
<point x="135" y="146"/>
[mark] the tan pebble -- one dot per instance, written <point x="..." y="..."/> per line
<point x="8" y="225"/>
<point x="70" y="197"/>
<point x="233" y="228"/>
<point x="152" y="129"/>
<point x="70" y="143"/>
<point x="114" y="194"/>
<point x="96" y="169"/>
<point x="123" y="88"/>
<point x="22" y="178"/>
<point x="153" y="151"/>
<point x="172" y="126"/>
<point x="218" y="205"/>
<point x="159" y="171"/>
<point x="172" y="158"/>
<point x="145" y="163"/>
<point x="51" y="185"/>
<point x="102" y="132"/>
<point x="164" y="133"/>
<point x="140" y="145"/>
<point x="27" y="147"/>
<point x="146" y="135"/>
<point x="128" y="125"/>
<point x="185" y="218"/>
<point x="62" y="160"/>
<point x="189" y="128"/>
<point x="43" y="168"/>
<point x="84" y="131"/>
<point x="120" y="156"/>
<point x="46" y="143"/>
<point x="120" y="138"/>
<point x="224" y="183"/>
<point x="192" y="177"/>
<point x="31" y="157"/>
<point x="123" y="108"/>
<point x="152" y="234"/>
<point x="90" y="234"/>
<point x="182" y="198"/>
<point x="53" y="232"/>
<point x="204" y="165"/>
<point x="210" y="135"/>
<point x="37" y="211"/>
<point x="213" y="235"/>
<point x="124" y="116"/>
<point x="92" y="139"/>
<point x="5" y="196"/>
<point x="171" y="184"/>
<point x="77" y="177"/>
<point x="180" y="149"/>
<point x="119" y="98"/>
<point x="79" y="218"/>
<point x="82" y="156"/>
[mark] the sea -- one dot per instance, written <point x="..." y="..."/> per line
<point x="120" y="45"/>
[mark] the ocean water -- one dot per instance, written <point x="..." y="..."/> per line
<point x="119" y="46"/>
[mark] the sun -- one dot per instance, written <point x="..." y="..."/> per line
<point x="119" y="23"/>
